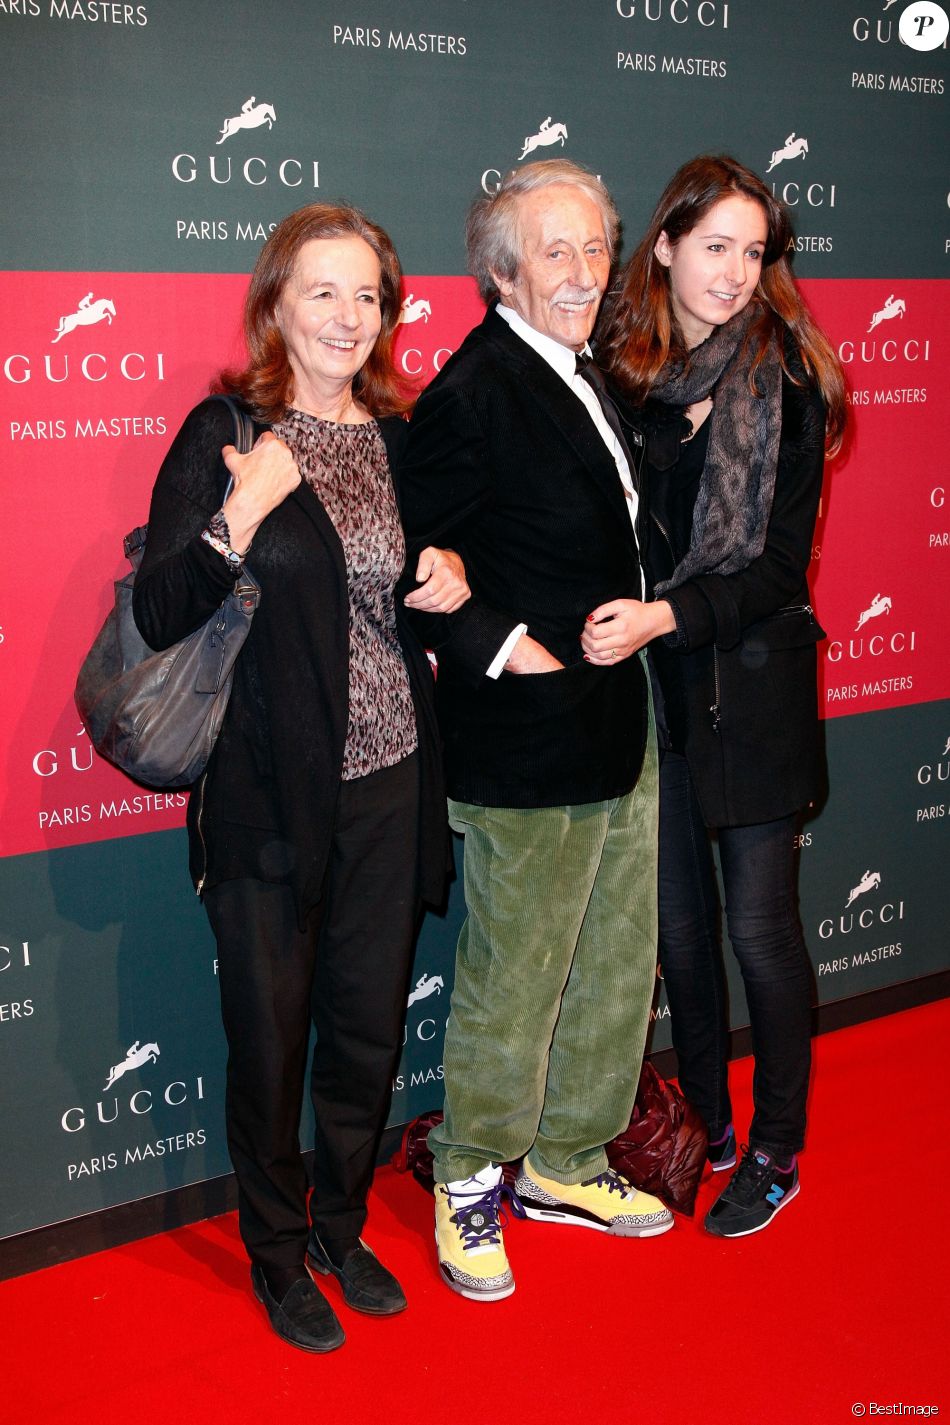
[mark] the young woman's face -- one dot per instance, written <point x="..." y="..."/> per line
<point x="715" y="267"/>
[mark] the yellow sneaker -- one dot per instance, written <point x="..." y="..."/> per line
<point x="468" y="1237"/>
<point x="608" y="1203"/>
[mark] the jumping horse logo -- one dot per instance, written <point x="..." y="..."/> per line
<point x="86" y="314"/>
<point x="426" y="985"/>
<point x="880" y="604"/>
<point x="792" y="148"/>
<point x="411" y="311"/>
<point x="893" y="307"/>
<point x="252" y="115"/>
<point x="868" y="881"/>
<point x="548" y="133"/>
<point x="136" y="1055"/>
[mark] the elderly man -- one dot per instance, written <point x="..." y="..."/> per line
<point x="518" y="460"/>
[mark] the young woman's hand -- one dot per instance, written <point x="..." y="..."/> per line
<point x="617" y="629"/>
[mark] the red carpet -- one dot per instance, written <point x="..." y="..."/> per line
<point x="841" y="1301"/>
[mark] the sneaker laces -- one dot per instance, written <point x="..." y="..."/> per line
<point x="747" y="1181"/>
<point x="612" y="1181"/>
<point x="480" y="1221"/>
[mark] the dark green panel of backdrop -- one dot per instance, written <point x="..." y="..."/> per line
<point x="107" y="948"/>
<point x="111" y="1049"/>
<point x="405" y="108"/>
<point x="104" y="947"/>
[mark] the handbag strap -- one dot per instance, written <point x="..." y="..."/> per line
<point x="134" y="542"/>
<point x="243" y="433"/>
<point x="243" y="424"/>
<point x="244" y="437"/>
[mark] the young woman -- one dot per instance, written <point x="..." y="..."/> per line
<point x="741" y="396"/>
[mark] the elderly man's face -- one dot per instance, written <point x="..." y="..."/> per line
<point x="565" y="264"/>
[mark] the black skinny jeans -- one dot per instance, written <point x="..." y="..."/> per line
<point x="758" y="872"/>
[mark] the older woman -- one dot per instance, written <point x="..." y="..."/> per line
<point x="319" y="824"/>
<point x="741" y="393"/>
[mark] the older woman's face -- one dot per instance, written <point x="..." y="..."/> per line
<point x="329" y="313"/>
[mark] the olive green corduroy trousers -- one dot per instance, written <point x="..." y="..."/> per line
<point x="554" y="980"/>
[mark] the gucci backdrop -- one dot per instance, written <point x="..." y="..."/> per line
<point x="149" y="150"/>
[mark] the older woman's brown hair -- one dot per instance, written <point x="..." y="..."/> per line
<point x="266" y="384"/>
<point x="637" y="334"/>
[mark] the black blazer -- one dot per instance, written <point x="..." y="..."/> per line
<point x="505" y="465"/>
<point x="741" y="690"/>
<point x="264" y="806"/>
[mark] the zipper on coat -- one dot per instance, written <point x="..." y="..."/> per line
<point x="714" y="709"/>
<point x="204" y="850"/>
<point x="794" y="609"/>
<point x="664" y="531"/>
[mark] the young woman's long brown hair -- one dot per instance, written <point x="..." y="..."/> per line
<point x="638" y="332"/>
<point x="266" y="384"/>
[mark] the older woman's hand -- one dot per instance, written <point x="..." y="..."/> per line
<point x="617" y="629"/>
<point x="262" y="480"/>
<point x="443" y="587"/>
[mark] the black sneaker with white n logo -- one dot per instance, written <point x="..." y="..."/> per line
<point x="758" y="1189"/>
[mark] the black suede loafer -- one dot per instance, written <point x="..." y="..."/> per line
<point x="367" y="1285"/>
<point x="303" y="1317"/>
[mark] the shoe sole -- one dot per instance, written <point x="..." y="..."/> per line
<point x="749" y="1231"/>
<point x="542" y="1213"/>
<point x="311" y="1350"/>
<point x="470" y="1294"/>
<point x="724" y="1165"/>
<point x="315" y="1266"/>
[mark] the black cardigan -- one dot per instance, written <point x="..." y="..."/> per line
<point x="265" y="804"/>
<point x="742" y="686"/>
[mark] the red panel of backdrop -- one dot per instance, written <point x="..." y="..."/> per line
<point x="103" y="367"/>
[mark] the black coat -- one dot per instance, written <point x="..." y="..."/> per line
<point x="264" y="807"/>
<point x="505" y="465"/>
<point x="741" y="692"/>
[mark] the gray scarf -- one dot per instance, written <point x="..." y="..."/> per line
<point x="734" y="500"/>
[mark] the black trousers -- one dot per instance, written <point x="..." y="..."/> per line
<point x="347" y="973"/>
<point x="761" y="906"/>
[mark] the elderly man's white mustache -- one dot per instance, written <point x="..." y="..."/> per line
<point x="577" y="294"/>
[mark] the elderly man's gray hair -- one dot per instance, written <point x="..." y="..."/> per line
<point x="491" y="233"/>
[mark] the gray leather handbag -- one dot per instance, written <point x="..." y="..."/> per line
<point x="157" y="715"/>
